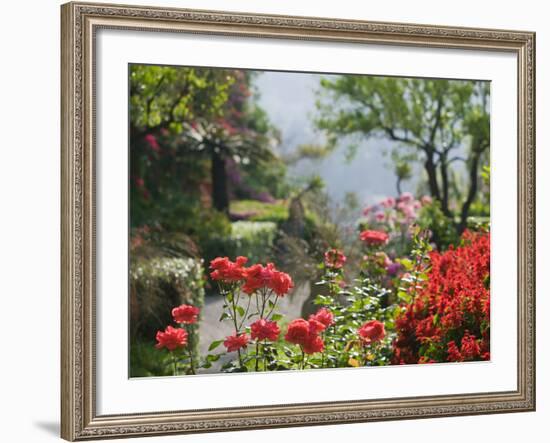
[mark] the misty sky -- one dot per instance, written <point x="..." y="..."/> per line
<point x="289" y="100"/>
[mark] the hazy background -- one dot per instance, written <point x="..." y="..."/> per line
<point x="289" y="99"/>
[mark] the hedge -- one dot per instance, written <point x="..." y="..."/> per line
<point x="156" y="286"/>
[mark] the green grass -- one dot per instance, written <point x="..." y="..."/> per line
<point x="275" y="212"/>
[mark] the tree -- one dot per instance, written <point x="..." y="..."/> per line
<point x="436" y="120"/>
<point x="186" y="124"/>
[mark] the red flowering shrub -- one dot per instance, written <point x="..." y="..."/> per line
<point x="448" y="319"/>
<point x="374" y="238"/>
<point x="263" y="329"/>
<point x="171" y="338"/>
<point x="186" y="314"/>
<point x="236" y="342"/>
<point x="372" y="332"/>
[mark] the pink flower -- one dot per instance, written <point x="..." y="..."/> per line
<point x="393" y="268"/>
<point x="379" y="216"/>
<point x="382" y="259"/>
<point x="388" y="202"/>
<point x="367" y="210"/>
<point x="152" y="142"/>
<point x="334" y="258"/>
<point x="406" y="197"/>
<point x="426" y="200"/>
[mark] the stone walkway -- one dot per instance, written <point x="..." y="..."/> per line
<point x="212" y="329"/>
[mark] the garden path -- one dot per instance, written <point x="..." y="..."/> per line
<point x="211" y="328"/>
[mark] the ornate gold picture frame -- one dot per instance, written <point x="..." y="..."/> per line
<point x="80" y="22"/>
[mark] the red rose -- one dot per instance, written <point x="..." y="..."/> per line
<point x="171" y="338"/>
<point x="185" y="314"/>
<point x="374" y="238"/>
<point x="372" y="331"/>
<point x="235" y="342"/>
<point x="306" y="334"/>
<point x="226" y="271"/>
<point x="258" y="276"/>
<point x="323" y="316"/>
<point x="264" y="329"/>
<point x="334" y="258"/>
<point x="297" y="332"/>
<point x="315" y="326"/>
<point x="313" y="344"/>
<point x="281" y="283"/>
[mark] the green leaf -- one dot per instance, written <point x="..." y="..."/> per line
<point x="224" y="316"/>
<point x="276" y="317"/>
<point x="214" y="344"/>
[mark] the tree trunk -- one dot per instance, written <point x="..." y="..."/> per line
<point x="429" y="165"/>
<point x="471" y="192"/>
<point x="220" y="195"/>
<point x="444" y="186"/>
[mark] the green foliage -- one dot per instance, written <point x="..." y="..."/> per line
<point x="188" y="127"/>
<point x="363" y="301"/>
<point x="252" y="239"/>
<point x="147" y="361"/>
<point x="443" y="230"/>
<point x="435" y="118"/>
<point x="166" y="96"/>
<point x="156" y="286"/>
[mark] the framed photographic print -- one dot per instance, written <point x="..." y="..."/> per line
<point x="282" y="221"/>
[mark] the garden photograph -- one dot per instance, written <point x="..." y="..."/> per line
<point x="305" y="221"/>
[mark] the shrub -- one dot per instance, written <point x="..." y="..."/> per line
<point x="156" y="286"/>
<point x="448" y="317"/>
<point x="248" y="238"/>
